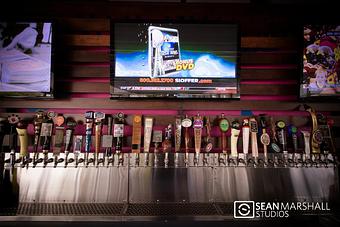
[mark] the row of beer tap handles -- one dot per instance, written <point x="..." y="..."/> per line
<point x="44" y="123"/>
<point x="64" y="137"/>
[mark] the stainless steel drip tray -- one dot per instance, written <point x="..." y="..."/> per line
<point x="102" y="212"/>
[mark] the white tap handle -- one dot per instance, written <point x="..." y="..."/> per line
<point x="245" y="137"/>
<point x="234" y="138"/>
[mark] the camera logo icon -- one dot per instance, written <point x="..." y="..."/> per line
<point x="244" y="209"/>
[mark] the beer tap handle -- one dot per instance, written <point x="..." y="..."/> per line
<point x="38" y="119"/>
<point x="23" y="137"/>
<point x="59" y="135"/>
<point x="46" y="131"/>
<point x="119" y="147"/>
<point x="330" y="123"/>
<point x="156" y="139"/>
<point x="254" y="131"/>
<point x="46" y="135"/>
<point x="136" y="137"/>
<point x="118" y="134"/>
<point x="306" y="136"/>
<point x="208" y="127"/>
<point x="167" y="144"/>
<point x="224" y="126"/>
<point x="265" y="139"/>
<point x="245" y="136"/>
<point x="71" y="124"/>
<point x="198" y="126"/>
<point x="148" y="124"/>
<point x="273" y="129"/>
<point x="186" y="140"/>
<point x="313" y="116"/>
<point x="224" y="143"/>
<point x="68" y="140"/>
<point x="88" y="135"/>
<point x="317" y="137"/>
<point x="293" y="131"/>
<point x="3" y="122"/>
<point x="235" y="132"/>
<point x="13" y="121"/>
<point x="186" y="124"/>
<point x="99" y="117"/>
<point x="108" y="150"/>
<point x="3" y="127"/>
<point x="78" y="142"/>
<point x="178" y="137"/>
<point x="178" y="133"/>
<point x="282" y="135"/>
<point x="208" y="142"/>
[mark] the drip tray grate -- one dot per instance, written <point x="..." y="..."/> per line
<point x="75" y="209"/>
<point x="8" y="211"/>
<point x="171" y="209"/>
<point x="113" y="209"/>
<point x="225" y="208"/>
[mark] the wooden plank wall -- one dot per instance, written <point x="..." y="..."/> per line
<point x="269" y="70"/>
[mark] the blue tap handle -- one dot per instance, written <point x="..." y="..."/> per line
<point x="88" y="139"/>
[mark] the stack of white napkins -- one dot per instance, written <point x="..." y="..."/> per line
<point x="19" y="68"/>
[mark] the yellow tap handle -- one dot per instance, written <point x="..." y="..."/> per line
<point x="23" y="137"/>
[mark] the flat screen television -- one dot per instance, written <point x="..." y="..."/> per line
<point x="25" y="59"/>
<point x="321" y="62"/>
<point x="177" y="60"/>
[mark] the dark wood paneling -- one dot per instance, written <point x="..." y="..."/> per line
<point x="85" y="56"/>
<point x="163" y="104"/>
<point x="86" y="40"/>
<point x="268" y="74"/>
<point x="72" y="25"/>
<point x="272" y="57"/>
<point x="73" y="71"/>
<point x="75" y="87"/>
<point x="286" y="43"/>
<point x="259" y="89"/>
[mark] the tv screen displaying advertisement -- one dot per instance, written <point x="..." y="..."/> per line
<point x="174" y="60"/>
<point x="321" y="61"/>
<point x="25" y="59"/>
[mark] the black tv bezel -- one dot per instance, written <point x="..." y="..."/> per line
<point x="165" y="96"/>
<point x="301" y="42"/>
<point x="35" y="95"/>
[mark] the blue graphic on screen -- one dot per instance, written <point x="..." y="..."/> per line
<point x="206" y="65"/>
